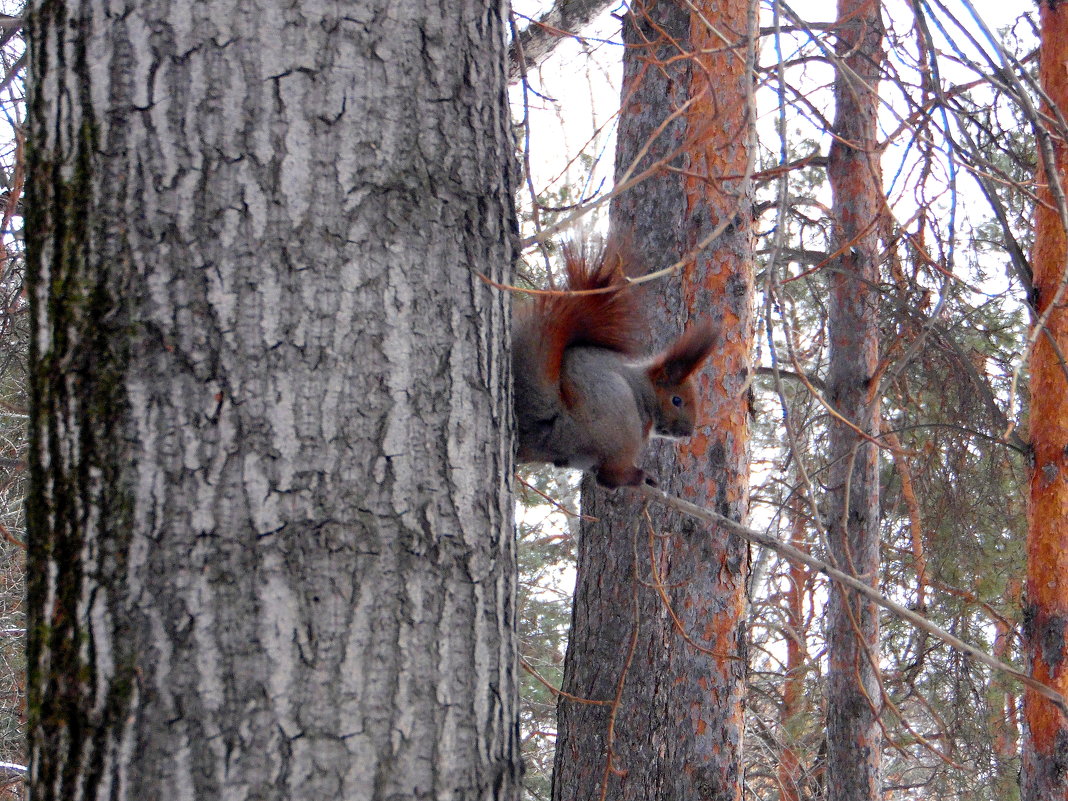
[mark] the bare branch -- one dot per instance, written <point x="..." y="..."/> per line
<point x="794" y="555"/>
<point x="538" y="40"/>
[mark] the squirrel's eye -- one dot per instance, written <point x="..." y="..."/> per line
<point x="676" y="400"/>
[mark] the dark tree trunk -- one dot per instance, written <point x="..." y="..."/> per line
<point x="270" y="522"/>
<point x="676" y="731"/>
<point x="854" y="737"/>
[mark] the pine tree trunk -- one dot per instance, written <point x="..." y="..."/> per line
<point x="676" y="732"/>
<point x="854" y="738"/>
<point x="1002" y="701"/>
<point x="795" y="710"/>
<point x="1044" y="775"/>
<point x="270" y="528"/>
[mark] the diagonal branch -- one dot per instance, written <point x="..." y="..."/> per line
<point x="540" y="37"/>
<point x="794" y="555"/>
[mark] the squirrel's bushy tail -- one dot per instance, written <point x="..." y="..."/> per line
<point x="606" y="314"/>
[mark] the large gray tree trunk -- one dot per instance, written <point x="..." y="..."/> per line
<point x="271" y="533"/>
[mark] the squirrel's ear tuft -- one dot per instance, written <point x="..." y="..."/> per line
<point x="682" y="359"/>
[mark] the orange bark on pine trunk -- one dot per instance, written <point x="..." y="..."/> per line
<point x="1044" y="776"/>
<point x="659" y="620"/>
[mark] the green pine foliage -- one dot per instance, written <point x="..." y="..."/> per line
<point x="546" y="554"/>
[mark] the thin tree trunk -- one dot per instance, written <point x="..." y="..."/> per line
<point x="854" y="737"/>
<point x="1044" y="776"/>
<point x="795" y="710"/>
<point x="672" y="729"/>
<point x="270" y="528"/>
<point x="1004" y="714"/>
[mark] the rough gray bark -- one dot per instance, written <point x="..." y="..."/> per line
<point x="854" y="737"/>
<point x="672" y="727"/>
<point x="271" y="545"/>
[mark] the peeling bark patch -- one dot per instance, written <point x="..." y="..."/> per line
<point x="1049" y="474"/>
<point x="1045" y="774"/>
<point x="1052" y="645"/>
<point x="1028" y="624"/>
<point x="738" y="287"/>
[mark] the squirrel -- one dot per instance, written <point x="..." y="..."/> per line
<point x="584" y="395"/>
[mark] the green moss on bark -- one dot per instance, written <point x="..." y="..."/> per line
<point x="79" y="356"/>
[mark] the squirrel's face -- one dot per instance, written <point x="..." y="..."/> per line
<point x="676" y="410"/>
<point x="671" y="374"/>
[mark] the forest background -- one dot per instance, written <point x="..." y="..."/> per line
<point x="958" y="159"/>
<point x="957" y="156"/>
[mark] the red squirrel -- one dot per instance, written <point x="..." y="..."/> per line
<point x="584" y="396"/>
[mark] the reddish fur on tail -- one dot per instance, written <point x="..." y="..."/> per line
<point x="608" y="319"/>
